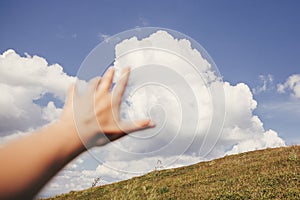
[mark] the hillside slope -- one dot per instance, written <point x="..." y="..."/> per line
<point x="263" y="174"/>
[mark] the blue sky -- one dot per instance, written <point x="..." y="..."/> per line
<point x="250" y="42"/>
<point x="245" y="38"/>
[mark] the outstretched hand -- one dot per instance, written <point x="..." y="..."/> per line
<point x="96" y="112"/>
<point x="94" y="116"/>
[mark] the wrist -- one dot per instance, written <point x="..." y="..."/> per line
<point x="67" y="132"/>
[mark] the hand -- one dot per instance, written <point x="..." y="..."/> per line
<point x="94" y="116"/>
<point x="96" y="112"/>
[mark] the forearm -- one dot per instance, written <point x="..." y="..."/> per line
<point x="26" y="165"/>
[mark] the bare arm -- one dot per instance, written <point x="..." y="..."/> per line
<point x="27" y="164"/>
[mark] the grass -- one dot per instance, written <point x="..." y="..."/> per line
<point x="263" y="174"/>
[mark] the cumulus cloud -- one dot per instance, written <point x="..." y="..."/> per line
<point x="179" y="98"/>
<point x="292" y="84"/>
<point x="75" y="176"/>
<point x="257" y="141"/>
<point x="24" y="80"/>
<point x="165" y="103"/>
<point x="240" y="125"/>
<point x="164" y="87"/>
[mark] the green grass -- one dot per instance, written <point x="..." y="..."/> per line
<point x="263" y="174"/>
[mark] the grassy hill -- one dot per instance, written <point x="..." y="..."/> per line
<point x="263" y="174"/>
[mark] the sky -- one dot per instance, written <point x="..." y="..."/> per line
<point x="255" y="45"/>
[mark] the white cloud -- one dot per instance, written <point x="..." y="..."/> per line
<point x="243" y="131"/>
<point x="103" y="36"/>
<point x="256" y="141"/>
<point x="180" y="104"/>
<point x="292" y="84"/>
<point x="51" y="112"/>
<point x="13" y="136"/>
<point x="267" y="84"/>
<point x="73" y="177"/>
<point x="240" y="125"/>
<point x="166" y="103"/>
<point x="24" y="80"/>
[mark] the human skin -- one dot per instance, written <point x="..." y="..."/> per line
<point x="89" y="119"/>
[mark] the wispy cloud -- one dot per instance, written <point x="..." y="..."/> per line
<point x="74" y="35"/>
<point x="103" y="36"/>
<point x="266" y="84"/>
<point x="143" y="21"/>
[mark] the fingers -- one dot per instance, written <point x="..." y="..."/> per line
<point x="106" y="82"/>
<point x="121" y="86"/>
<point x="129" y="127"/>
<point x="107" y="79"/>
<point x="92" y="85"/>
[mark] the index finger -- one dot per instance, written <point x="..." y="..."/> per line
<point x="120" y="86"/>
<point x="107" y="79"/>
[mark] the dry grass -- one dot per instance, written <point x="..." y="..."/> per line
<point x="263" y="174"/>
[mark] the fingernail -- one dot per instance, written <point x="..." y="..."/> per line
<point x="151" y="124"/>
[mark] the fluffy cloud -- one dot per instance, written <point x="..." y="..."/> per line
<point x="181" y="99"/>
<point x="292" y="84"/>
<point x="257" y="141"/>
<point x="161" y="77"/>
<point x="24" y="81"/>
<point x="178" y="98"/>
<point x="166" y="94"/>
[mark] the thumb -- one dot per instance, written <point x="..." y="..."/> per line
<point x="137" y="125"/>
